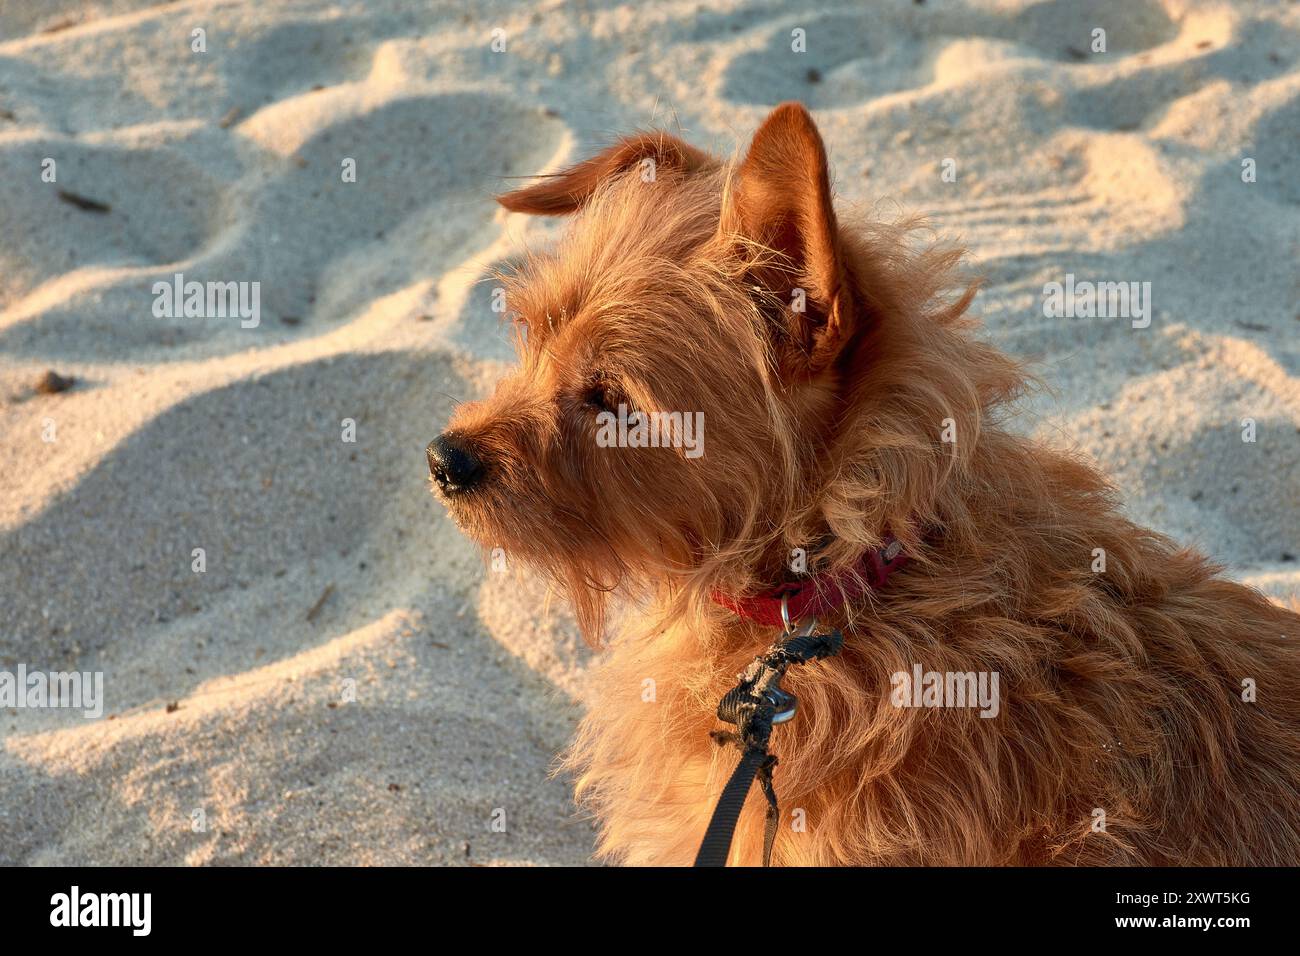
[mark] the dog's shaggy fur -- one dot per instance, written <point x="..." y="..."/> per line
<point x="1122" y="690"/>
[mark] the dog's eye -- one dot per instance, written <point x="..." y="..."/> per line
<point x="601" y="394"/>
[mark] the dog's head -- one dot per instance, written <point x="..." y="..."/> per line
<point x="682" y="362"/>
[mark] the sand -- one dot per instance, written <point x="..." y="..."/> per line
<point x="346" y="682"/>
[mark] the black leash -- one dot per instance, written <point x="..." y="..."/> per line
<point x="755" y="705"/>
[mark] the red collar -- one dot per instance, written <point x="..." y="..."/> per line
<point x="820" y="594"/>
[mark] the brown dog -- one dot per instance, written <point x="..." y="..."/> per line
<point x="1147" y="711"/>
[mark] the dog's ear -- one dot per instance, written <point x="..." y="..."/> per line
<point x="781" y="203"/>
<point x="564" y="192"/>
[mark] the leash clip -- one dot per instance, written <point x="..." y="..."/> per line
<point x="784" y="703"/>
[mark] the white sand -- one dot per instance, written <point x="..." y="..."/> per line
<point x="188" y="433"/>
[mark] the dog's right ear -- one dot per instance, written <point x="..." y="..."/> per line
<point x="564" y="192"/>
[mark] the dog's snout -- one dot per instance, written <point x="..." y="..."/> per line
<point x="453" y="464"/>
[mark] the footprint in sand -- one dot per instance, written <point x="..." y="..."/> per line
<point x="321" y="246"/>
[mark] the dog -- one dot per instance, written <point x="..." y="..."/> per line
<point x="1148" y="709"/>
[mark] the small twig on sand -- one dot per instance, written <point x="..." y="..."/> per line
<point x="84" y="204"/>
<point x="320" y="601"/>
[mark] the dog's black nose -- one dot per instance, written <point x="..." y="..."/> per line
<point x="453" y="464"/>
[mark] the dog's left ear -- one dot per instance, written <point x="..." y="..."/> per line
<point x="781" y="203"/>
<point x="564" y="192"/>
